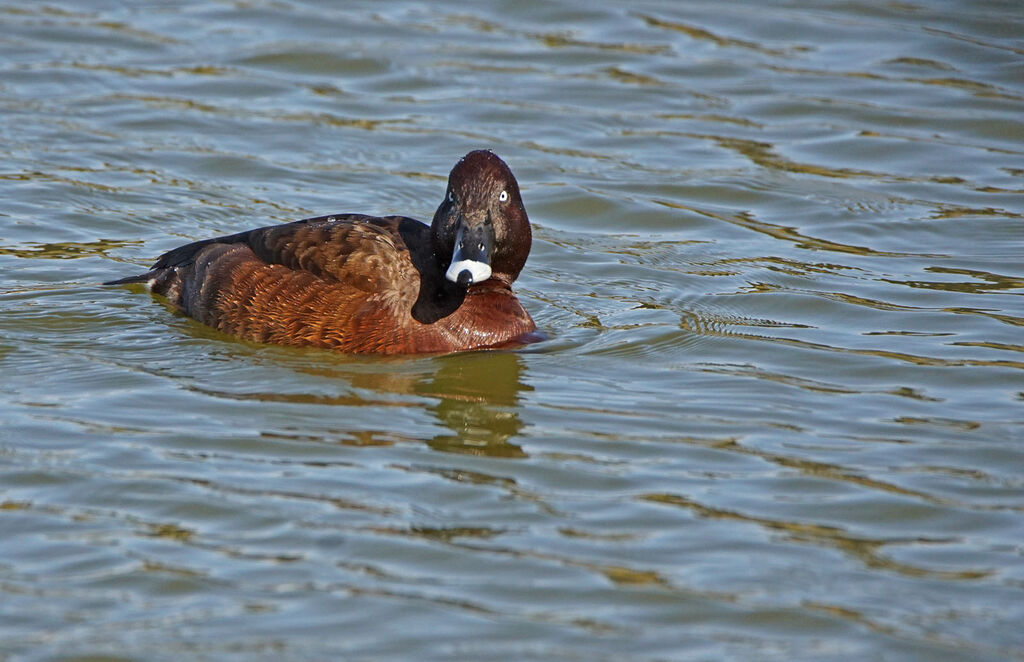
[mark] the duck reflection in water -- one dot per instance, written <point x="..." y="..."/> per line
<point x="477" y="399"/>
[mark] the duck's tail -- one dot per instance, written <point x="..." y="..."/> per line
<point x="140" y="278"/>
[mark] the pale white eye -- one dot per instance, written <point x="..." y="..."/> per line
<point x="503" y="196"/>
<point x="451" y="196"/>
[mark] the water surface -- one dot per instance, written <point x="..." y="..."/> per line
<point x="777" y="254"/>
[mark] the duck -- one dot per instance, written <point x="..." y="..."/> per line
<point x="363" y="284"/>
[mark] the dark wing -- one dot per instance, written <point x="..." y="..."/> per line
<point x="354" y="249"/>
<point x="364" y="252"/>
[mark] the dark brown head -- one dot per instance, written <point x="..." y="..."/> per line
<point x="481" y="229"/>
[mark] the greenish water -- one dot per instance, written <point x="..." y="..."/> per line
<point x="778" y="255"/>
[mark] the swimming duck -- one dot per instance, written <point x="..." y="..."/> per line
<point x="367" y="284"/>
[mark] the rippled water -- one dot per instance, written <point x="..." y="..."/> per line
<point x="778" y="255"/>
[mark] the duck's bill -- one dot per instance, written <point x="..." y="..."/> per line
<point x="467" y="272"/>
<point x="471" y="261"/>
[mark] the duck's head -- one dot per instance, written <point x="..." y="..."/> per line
<point x="480" y="230"/>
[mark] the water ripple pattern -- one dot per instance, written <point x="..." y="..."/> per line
<point x="778" y="256"/>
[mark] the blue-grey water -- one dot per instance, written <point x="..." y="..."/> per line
<point x="779" y="258"/>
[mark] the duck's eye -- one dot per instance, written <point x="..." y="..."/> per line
<point x="503" y="196"/>
<point x="451" y="196"/>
